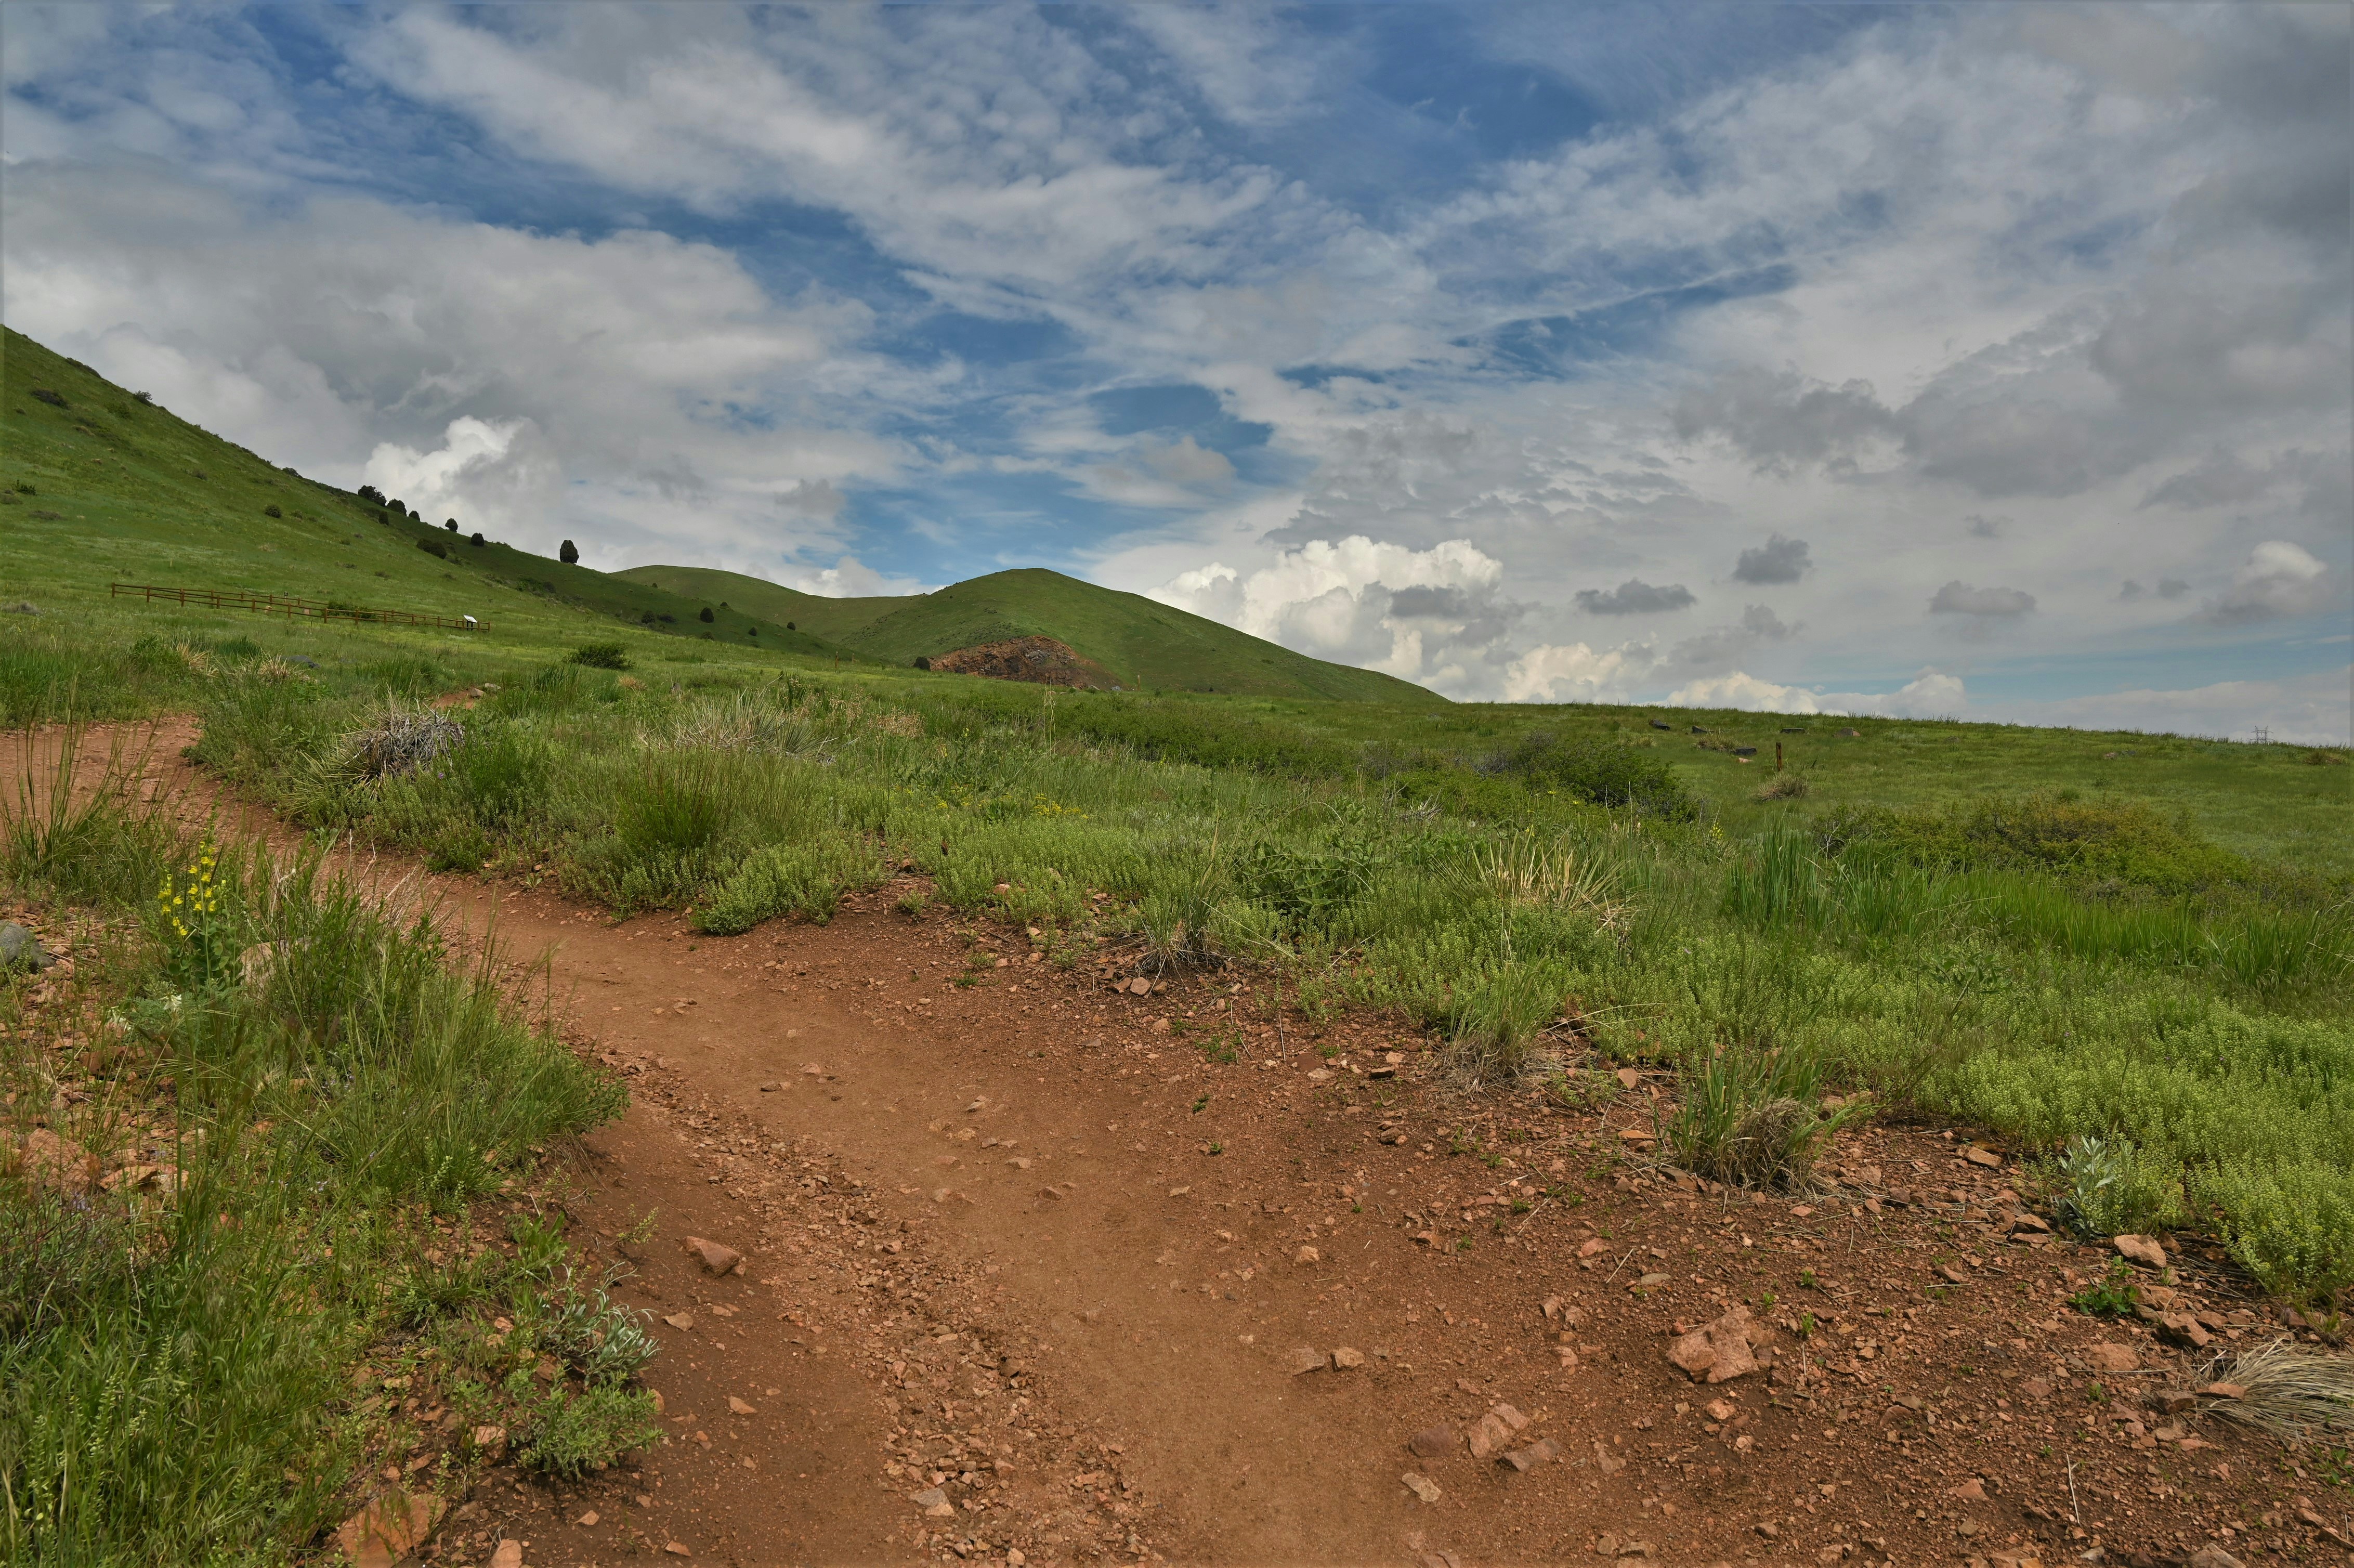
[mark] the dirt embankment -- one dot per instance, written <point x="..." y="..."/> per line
<point x="1049" y="1267"/>
<point x="1042" y="660"/>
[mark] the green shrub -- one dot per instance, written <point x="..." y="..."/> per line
<point x="505" y="775"/>
<point x="570" y="1432"/>
<point x="1305" y="886"/>
<point x="2288" y="1222"/>
<point x="2118" y="841"/>
<point x="805" y="879"/>
<point x="1606" y="772"/>
<point x="2104" y="1187"/>
<point x="601" y="656"/>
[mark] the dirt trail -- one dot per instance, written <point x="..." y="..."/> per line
<point x="1027" y="1273"/>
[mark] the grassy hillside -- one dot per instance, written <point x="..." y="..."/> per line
<point x="100" y="487"/>
<point x="1144" y="643"/>
<point x="835" y="620"/>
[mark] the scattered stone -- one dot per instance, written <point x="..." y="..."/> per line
<point x="1569" y="1361"/>
<point x="1508" y="1416"/>
<point x="1985" y="1157"/>
<point x="390" y="1528"/>
<point x="1592" y="1246"/>
<point x="2213" y="1556"/>
<point x="718" y="1259"/>
<point x="677" y="1550"/>
<point x="1721" y="1409"/>
<point x="1425" y="1488"/>
<point x="1971" y="1490"/>
<point x="2108" y="1358"/>
<point x="587" y="1520"/>
<point x="1544" y="1451"/>
<point x="934" y="1502"/>
<point x="2023" y="1221"/>
<point x="680" y="1319"/>
<point x="2185" y="1329"/>
<point x="1139" y="986"/>
<point x="1432" y="1441"/>
<point x="491" y="1443"/>
<point x="1308" y="1358"/>
<point x="1717" y="1352"/>
<point x="812" y="1070"/>
<point x="739" y="1407"/>
<point x="1953" y="1274"/>
<point x="49" y="1159"/>
<point x="508" y="1554"/>
<point x="1628" y="1078"/>
<point x="20" y="949"/>
<point x="771" y="1087"/>
<point x="1347" y="1359"/>
<point x="2141" y="1250"/>
<point x="2223" y="1390"/>
<point x="1488" y="1436"/>
<point x="1307" y="1256"/>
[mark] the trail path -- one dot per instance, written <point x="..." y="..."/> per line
<point x="999" y="1295"/>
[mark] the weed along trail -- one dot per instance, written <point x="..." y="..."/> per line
<point x="954" y="1254"/>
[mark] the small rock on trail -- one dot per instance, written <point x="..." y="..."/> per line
<point x="717" y="1258"/>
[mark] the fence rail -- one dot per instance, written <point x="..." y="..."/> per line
<point x="280" y="604"/>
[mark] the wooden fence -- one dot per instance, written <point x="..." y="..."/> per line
<point x="293" y="609"/>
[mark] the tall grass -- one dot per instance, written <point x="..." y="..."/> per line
<point x="2050" y="969"/>
<point x="186" y="1405"/>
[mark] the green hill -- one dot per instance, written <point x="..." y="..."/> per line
<point x="1144" y="643"/>
<point x="100" y="486"/>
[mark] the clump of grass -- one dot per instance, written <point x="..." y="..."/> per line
<point x="601" y="656"/>
<point x="1782" y="787"/>
<point x="400" y="741"/>
<point x="1751" y="1117"/>
<point x="2290" y="1392"/>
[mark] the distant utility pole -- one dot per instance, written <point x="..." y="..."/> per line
<point x="2264" y="735"/>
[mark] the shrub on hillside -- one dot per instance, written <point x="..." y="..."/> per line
<point x="2115" y="840"/>
<point x="435" y="548"/>
<point x="1606" y="772"/>
<point x="601" y="656"/>
<point x="707" y="616"/>
<point x="272" y="510"/>
<point x="568" y="552"/>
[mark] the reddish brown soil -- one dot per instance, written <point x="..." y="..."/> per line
<point x="1041" y="660"/>
<point x="1020" y="1239"/>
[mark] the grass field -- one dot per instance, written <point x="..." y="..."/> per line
<point x="2054" y="934"/>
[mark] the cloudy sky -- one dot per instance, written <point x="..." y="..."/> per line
<point x="1987" y="361"/>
